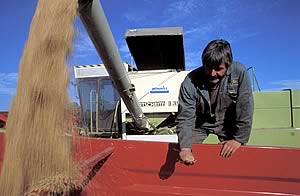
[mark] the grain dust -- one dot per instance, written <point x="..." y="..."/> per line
<point x="37" y="153"/>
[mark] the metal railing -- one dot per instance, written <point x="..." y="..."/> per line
<point x="254" y="78"/>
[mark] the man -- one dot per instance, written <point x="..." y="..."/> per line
<point x="215" y="99"/>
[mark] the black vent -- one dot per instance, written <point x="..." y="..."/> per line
<point x="156" y="48"/>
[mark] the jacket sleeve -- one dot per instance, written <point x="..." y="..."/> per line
<point x="186" y="113"/>
<point x="244" y="109"/>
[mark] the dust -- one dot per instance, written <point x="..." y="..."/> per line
<point x="37" y="153"/>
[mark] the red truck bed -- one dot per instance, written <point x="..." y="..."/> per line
<point x="150" y="168"/>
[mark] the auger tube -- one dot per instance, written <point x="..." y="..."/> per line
<point x="95" y="22"/>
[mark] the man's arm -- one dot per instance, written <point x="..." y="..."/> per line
<point x="244" y="109"/>
<point x="186" y="120"/>
<point x="186" y="113"/>
<point x="244" y="115"/>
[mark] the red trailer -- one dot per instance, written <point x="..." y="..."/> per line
<point x="151" y="168"/>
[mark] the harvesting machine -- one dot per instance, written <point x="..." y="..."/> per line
<point x="128" y="125"/>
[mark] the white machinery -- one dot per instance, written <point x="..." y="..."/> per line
<point x="159" y="57"/>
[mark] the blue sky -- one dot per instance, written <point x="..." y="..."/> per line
<point x="263" y="33"/>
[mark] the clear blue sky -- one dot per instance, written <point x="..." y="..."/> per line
<point x="263" y="33"/>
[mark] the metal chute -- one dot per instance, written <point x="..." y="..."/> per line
<point x="95" y="22"/>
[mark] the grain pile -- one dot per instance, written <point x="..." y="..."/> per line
<point x="37" y="156"/>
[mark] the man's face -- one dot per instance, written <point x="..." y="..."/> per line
<point x="215" y="74"/>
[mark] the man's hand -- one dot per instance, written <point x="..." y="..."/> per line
<point x="186" y="156"/>
<point x="229" y="148"/>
